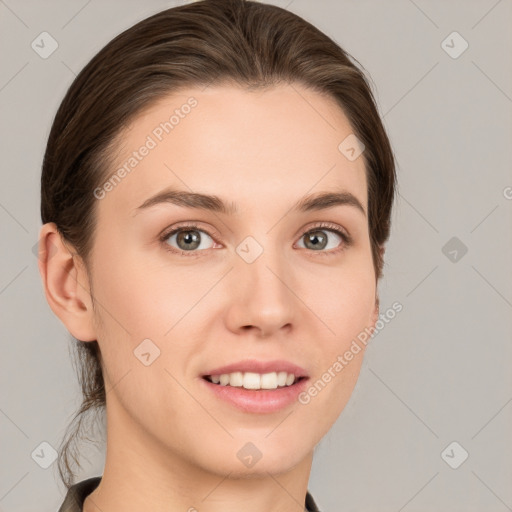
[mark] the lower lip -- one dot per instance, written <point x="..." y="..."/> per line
<point x="258" y="401"/>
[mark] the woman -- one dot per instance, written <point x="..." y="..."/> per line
<point x="216" y="195"/>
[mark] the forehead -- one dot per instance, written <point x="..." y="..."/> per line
<point x="267" y="146"/>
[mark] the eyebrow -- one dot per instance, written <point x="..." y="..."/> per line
<point x="312" y="202"/>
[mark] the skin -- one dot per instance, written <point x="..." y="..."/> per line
<point x="170" y="442"/>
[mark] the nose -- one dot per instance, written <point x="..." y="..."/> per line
<point x="262" y="297"/>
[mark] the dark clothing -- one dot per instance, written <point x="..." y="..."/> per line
<point x="76" y="495"/>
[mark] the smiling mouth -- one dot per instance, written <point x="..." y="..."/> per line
<point x="256" y="393"/>
<point x="255" y="381"/>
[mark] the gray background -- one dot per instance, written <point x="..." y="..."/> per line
<point x="437" y="373"/>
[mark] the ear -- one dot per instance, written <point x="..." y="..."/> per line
<point x="66" y="284"/>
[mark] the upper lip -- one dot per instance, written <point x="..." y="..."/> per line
<point x="252" y="365"/>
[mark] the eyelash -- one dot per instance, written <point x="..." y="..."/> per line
<point x="347" y="239"/>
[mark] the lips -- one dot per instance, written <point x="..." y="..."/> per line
<point x="262" y="401"/>
<point x="255" y="366"/>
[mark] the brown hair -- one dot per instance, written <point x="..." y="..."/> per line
<point x="242" y="42"/>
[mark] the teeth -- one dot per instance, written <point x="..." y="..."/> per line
<point x="269" y="381"/>
<point x="236" y="379"/>
<point x="250" y="380"/>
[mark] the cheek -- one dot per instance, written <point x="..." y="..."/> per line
<point x="345" y="305"/>
<point x="143" y="299"/>
<point x="139" y="305"/>
<point x="343" y="300"/>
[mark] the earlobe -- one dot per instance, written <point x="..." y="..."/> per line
<point x="65" y="284"/>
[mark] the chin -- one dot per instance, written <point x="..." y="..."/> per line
<point x="257" y="460"/>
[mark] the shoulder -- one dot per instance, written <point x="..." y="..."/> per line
<point x="75" y="497"/>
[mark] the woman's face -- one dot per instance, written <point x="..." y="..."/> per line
<point x="267" y="282"/>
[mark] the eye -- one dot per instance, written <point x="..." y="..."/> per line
<point x="187" y="238"/>
<point x="316" y="240"/>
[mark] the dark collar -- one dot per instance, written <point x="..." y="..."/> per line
<point x="77" y="493"/>
<point x="75" y="497"/>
